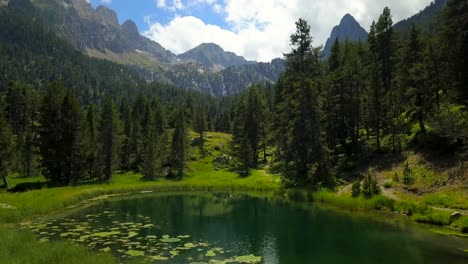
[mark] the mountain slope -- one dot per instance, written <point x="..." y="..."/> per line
<point x="98" y="30"/>
<point x="426" y="19"/>
<point x="212" y="56"/>
<point x="348" y="28"/>
<point x="97" y="33"/>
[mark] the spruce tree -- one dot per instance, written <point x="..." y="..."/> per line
<point x="6" y="147"/>
<point x="110" y="136"/>
<point x="50" y="133"/>
<point x="303" y="154"/>
<point x="179" y="145"/>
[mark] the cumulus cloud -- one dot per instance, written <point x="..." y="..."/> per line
<point x="260" y="30"/>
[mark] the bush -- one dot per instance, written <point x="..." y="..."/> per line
<point x="369" y="186"/>
<point x="408" y="177"/>
<point x="433" y="217"/>
<point x="388" y="184"/>
<point x="462" y="224"/>
<point x="396" y="178"/>
<point x="356" y="188"/>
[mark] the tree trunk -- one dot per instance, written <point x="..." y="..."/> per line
<point x="5" y="181"/>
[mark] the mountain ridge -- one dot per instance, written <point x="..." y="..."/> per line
<point x="211" y="55"/>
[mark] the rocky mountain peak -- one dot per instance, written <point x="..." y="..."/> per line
<point x="348" y="28"/>
<point x="130" y="28"/>
<point x="106" y="16"/>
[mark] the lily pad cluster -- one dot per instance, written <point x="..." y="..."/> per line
<point x="127" y="239"/>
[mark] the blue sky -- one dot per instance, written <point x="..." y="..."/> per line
<point x="256" y="29"/>
<point x="142" y="10"/>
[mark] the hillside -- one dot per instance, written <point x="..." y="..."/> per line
<point x="426" y="19"/>
<point x="98" y="34"/>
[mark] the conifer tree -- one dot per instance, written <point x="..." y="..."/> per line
<point x="110" y="136"/>
<point x="179" y="146"/>
<point x="6" y="147"/>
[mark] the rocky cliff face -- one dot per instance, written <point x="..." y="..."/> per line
<point x="348" y="28"/>
<point x="98" y="29"/>
<point x="208" y="68"/>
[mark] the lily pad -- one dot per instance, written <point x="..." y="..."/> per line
<point x="248" y="259"/>
<point x="189" y="245"/>
<point x="105" y="234"/>
<point x="106" y="249"/>
<point x="68" y="234"/>
<point x="167" y="239"/>
<point x="132" y="234"/>
<point x="170" y="240"/>
<point x="210" y="253"/>
<point x="135" y="253"/>
<point x="215" y="261"/>
<point x="159" y="257"/>
<point x="174" y="253"/>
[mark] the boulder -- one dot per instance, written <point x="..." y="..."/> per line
<point x="455" y="216"/>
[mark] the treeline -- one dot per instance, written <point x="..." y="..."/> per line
<point x="53" y="134"/>
<point x="385" y="95"/>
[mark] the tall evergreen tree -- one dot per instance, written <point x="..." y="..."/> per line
<point x="179" y="144"/>
<point x="303" y="155"/>
<point x="110" y="137"/>
<point x="200" y="122"/>
<point x="93" y="142"/>
<point x="72" y="140"/>
<point x="6" y="147"/>
<point x="50" y="132"/>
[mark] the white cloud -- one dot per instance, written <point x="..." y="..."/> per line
<point x="260" y="30"/>
<point x="106" y="1"/>
<point x="172" y="5"/>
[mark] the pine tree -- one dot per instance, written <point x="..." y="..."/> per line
<point x="411" y="78"/>
<point x="71" y="140"/>
<point x="179" y="144"/>
<point x="126" y="158"/>
<point x="302" y="152"/>
<point x="93" y="143"/>
<point x="454" y="38"/>
<point x="50" y="133"/>
<point x="110" y="136"/>
<point x="155" y="142"/>
<point x="6" y="147"/>
<point x="200" y="122"/>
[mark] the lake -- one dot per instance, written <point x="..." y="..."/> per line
<point x="226" y="228"/>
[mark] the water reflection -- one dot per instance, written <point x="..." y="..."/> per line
<point x="223" y="227"/>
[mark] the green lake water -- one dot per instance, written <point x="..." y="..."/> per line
<point x="204" y="228"/>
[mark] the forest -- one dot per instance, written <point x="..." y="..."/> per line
<point x="385" y="95"/>
<point x="102" y="164"/>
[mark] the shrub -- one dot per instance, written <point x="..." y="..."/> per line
<point x="369" y="186"/>
<point x="388" y="184"/>
<point x="396" y="178"/>
<point x="408" y="177"/>
<point x="356" y="188"/>
<point x="462" y="224"/>
<point x="433" y="217"/>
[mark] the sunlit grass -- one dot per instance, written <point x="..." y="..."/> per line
<point x="201" y="175"/>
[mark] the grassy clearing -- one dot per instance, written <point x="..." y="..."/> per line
<point x="21" y="246"/>
<point x="201" y="175"/>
